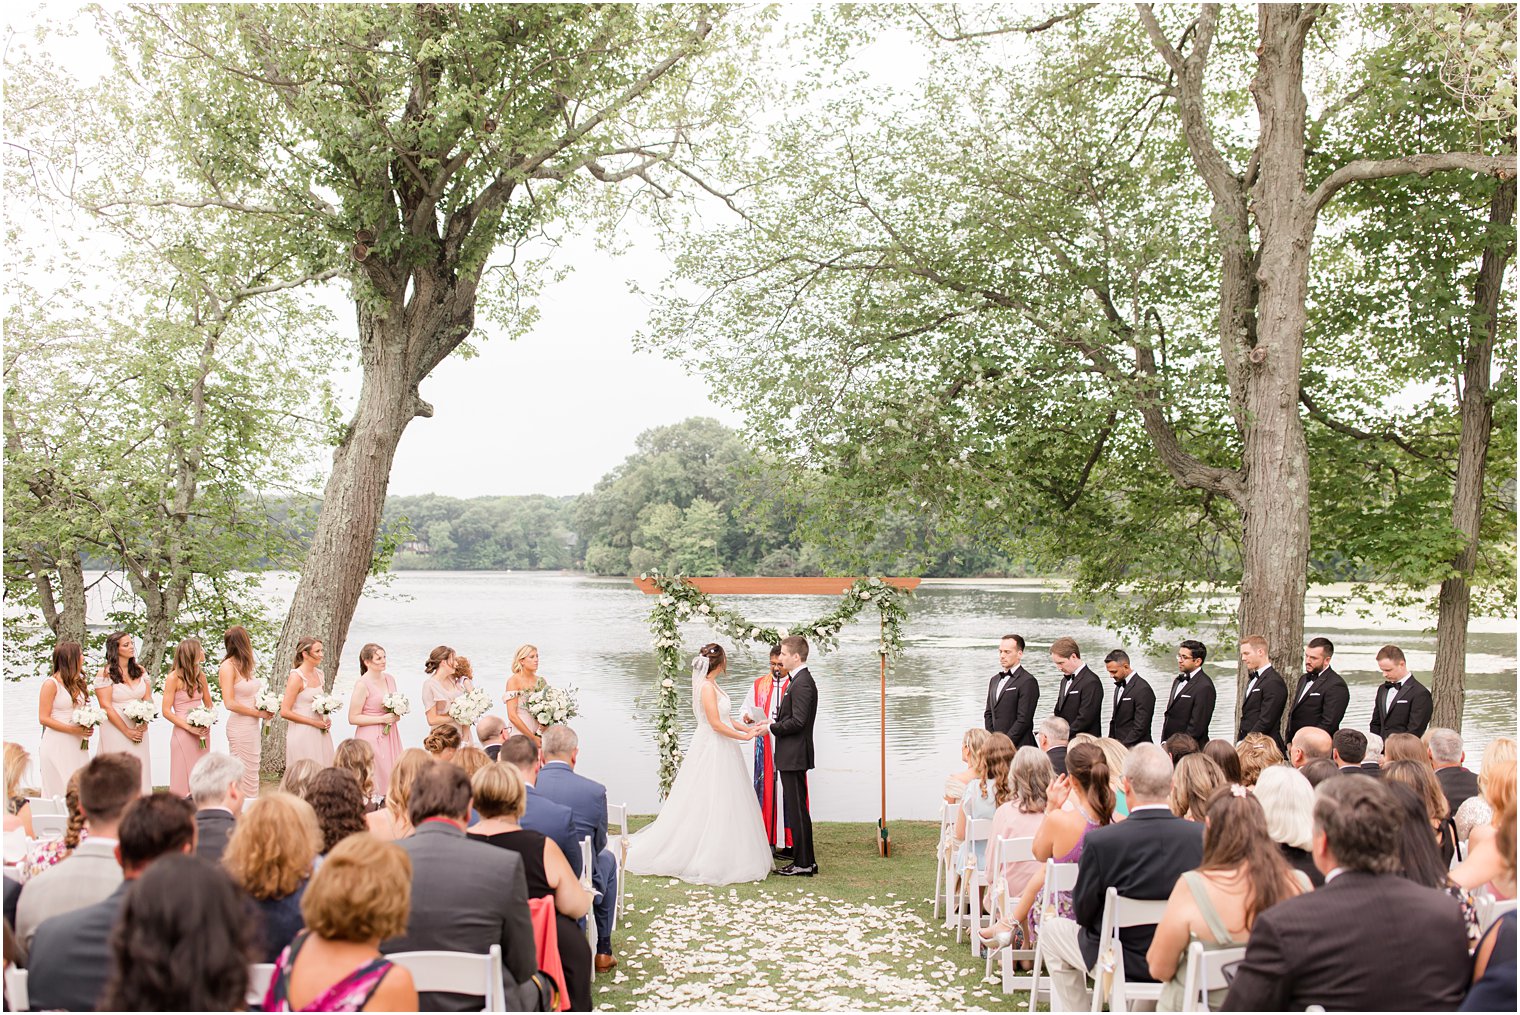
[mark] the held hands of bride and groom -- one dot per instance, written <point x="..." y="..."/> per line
<point x="721" y="724"/>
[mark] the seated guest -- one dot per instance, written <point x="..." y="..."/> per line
<point x="1223" y="754"/>
<point x="471" y="760"/>
<point x="489" y="729"/>
<point x="391" y="822"/>
<point x="500" y="797"/>
<point x="1496" y="780"/>
<point x="1318" y="771"/>
<point x="1493" y="986"/>
<point x="1309" y="744"/>
<point x="1357" y="830"/>
<point x="1404" y="747"/>
<point x="1115" y="754"/>
<point x="271" y="856"/>
<point x="542" y="814"/>
<point x="1053" y="736"/>
<point x="1142" y="857"/>
<point x="1418" y="776"/>
<point x="215" y="789"/>
<point x="1287" y="799"/>
<point x="46" y="853"/>
<point x="587" y="800"/>
<point x="334" y="794"/>
<point x="466" y="895"/>
<point x="1446" y="756"/>
<point x="1373" y="762"/>
<point x="1194" y="779"/>
<point x="358" y="758"/>
<point x="1019" y="817"/>
<point x="984" y="794"/>
<point x="107" y="785"/>
<point x="1420" y="860"/>
<point x="1179" y="746"/>
<point x="1485" y="867"/>
<point x="181" y="943"/>
<point x="1257" y="752"/>
<point x="1241" y="876"/>
<point x="298" y="775"/>
<point x="18" y="811"/>
<point x="971" y="747"/>
<point x="1348" y="750"/>
<point x="360" y="896"/>
<point x="442" y="741"/>
<point x="70" y="956"/>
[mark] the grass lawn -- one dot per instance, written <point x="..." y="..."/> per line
<point x="859" y="936"/>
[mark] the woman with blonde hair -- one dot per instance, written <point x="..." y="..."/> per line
<point x="392" y="822"/>
<point x="1421" y="777"/>
<point x="1257" y="753"/>
<point x="443" y="742"/>
<point x="523" y="679"/>
<point x="1287" y="800"/>
<point x="1115" y="754"/>
<point x="1480" y="810"/>
<point x="1019" y="817"/>
<point x="358" y="758"/>
<point x="60" y="754"/>
<point x="271" y="855"/>
<point x="1485" y="866"/>
<point x="186" y="689"/>
<point x="298" y="776"/>
<point x="18" y="811"/>
<point x="46" y="853"/>
<point x="984" y="795"/>
<point x="1194" y="781"/>
<point x="971" y="746"/>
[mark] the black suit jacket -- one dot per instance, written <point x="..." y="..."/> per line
<point x="1082" y="703"/>
<point x="792" y="732"/>
<point x="1136" y="705"/>
<point x="1284" y="971"/>
<point x="1261" y="711"/>
<point x="1142" y="856"/>
<point x="1410" y="712"/>
<point x="70" y="957"/>
<point x="1324" y="705"/>
<point x="1458" y="783"/>
<point x="466" y="896"/>
<point x="1057" y="756"/>
<point x="212" y="830"/>
<point x="1012" y="712"/>
<point x="492" y="751"/>
<point x="1190" y="709"/>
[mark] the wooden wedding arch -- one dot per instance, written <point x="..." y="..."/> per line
<point x="684" y="598"/>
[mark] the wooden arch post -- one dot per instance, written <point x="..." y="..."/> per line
<point x="807" y="587"/>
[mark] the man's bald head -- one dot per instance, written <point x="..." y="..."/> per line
<point x="1310" y="744"/>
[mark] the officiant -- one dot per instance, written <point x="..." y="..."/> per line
<point x="760" y="706"/>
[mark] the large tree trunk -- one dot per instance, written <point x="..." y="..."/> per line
<point x="1477" y="414"/>
<point x="63" y="607"/>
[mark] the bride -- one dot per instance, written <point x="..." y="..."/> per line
<point x="710" y="831"/>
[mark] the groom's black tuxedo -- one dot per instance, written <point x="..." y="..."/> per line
<point x="792" y="735"/>
<point x="1012" y="711"/>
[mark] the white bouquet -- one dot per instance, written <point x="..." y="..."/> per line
<point x="267" y="701"/>
<point x="203" y="718"/>
<point x="325" y="704"/>
<point x="398" y="705"/>
<point x="469" y="706"/>
<point x="140" y="711"/>
<point x="89" y="715"/>
<point x="550" y="705"/>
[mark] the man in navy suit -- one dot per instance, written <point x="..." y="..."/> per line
<point x="544" y="816"/>
<point x="587" y="801"/>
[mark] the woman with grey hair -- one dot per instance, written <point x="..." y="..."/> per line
<point x="1288" y="800"/>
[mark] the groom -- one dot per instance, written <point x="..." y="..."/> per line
<point x="792" y="733"/>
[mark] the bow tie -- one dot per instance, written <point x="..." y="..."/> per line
<point x="1006" y="673"/>
<point x="1183" y="676"/>
<point x="1252" y="674"/>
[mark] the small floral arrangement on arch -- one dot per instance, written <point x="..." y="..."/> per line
<point x="551" y="705"/>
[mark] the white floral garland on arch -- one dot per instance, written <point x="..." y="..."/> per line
<point x="679" y="600"/>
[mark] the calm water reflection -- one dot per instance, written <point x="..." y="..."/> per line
<point x="593" y="634"/>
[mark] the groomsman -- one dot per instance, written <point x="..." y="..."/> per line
<point x="1321" y="697"/>
<point x="1134" y="701"/>
<point x="1080" y="698"/>
<point x="1012" y="695"/>
<point x="1191" y="704"/>
<point x="1261" y="706"/>
<point x="1403" y="704"/>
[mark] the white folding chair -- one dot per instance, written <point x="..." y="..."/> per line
<point x="617" y="814"/>
<point x="457" y="973"/>
<point x="1205" y="972"/>
<point x="49" y="826"/>
<point x="260" y="974"/>
<point x="587" y="859"/>
<point x="1005" y="852"/>
<point x="15" y="989"/>
<point x="1118" y="913"/>
<point x="1490" y="908"/>
<point x="1059" y="877"/>
<point x="973" y="878"/>
<point x="944" y="872"/>
<point x="47" y="805"/>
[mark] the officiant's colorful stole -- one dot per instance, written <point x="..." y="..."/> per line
<point x="767" y="691"/>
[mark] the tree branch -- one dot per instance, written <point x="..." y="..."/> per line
<point x="1378" y="169"/>
<point x="963" y="36"/>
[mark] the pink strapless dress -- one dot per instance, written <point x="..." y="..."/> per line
<point x="244" y="736"/>
<point x="301" y="740"/>
<point x="185" y="748"/>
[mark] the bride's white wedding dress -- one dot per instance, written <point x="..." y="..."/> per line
<point x="710" y="831"/>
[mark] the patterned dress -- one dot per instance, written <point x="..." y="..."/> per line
<point x="351" y="993"/>
<point x="1063" y="905"/>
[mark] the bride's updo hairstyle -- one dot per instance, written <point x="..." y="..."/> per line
<point x="715" y="656"/>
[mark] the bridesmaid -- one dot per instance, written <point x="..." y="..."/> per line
<point x="524" y="678"/>
<point x="308" y="735"/>
<point x="119" y="681"/>
<point x="186" y="688"/>
<point x="239" y="689"/>
<point x="444" y="685"/>
<point x="367" y="712"/>
<point x="62" y="692"/>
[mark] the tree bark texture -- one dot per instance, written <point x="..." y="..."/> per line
<point x="1477" y="416"/>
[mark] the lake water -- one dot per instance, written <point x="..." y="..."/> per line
<point x="593" y="634"/>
